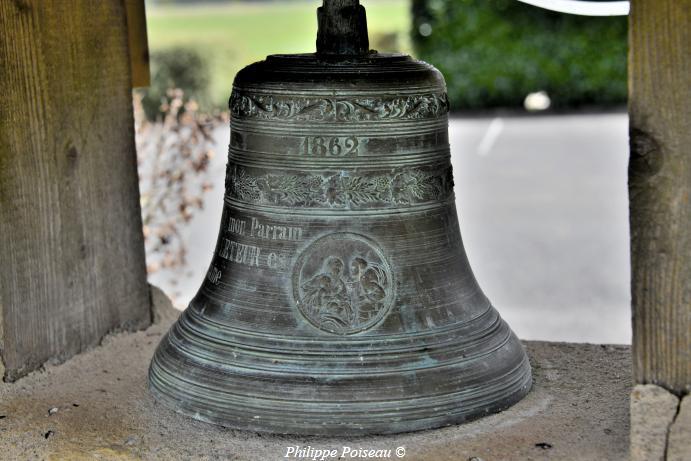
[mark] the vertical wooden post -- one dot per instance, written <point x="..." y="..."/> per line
<point x="137" y="42"/>
<point x="659" y="186"/>
<point x="71" y="247"/>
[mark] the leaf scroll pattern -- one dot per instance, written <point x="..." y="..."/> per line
<point x="401" y="187"/>
<point x="360" y="190"/>
<point x="292" y="189"/>
<point x="245" y="105"/>
<point x="243" y="186"/>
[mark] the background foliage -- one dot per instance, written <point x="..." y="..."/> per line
<point x="173" y="155"/>
<point x="494" y="52"/>
<point x="216" y="40"/>
<point x="176" y="68"/>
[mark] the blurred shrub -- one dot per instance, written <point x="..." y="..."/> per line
<point x="180" y="68"/>
<point x="494" y="52"/>
<point x="173" y="155"/>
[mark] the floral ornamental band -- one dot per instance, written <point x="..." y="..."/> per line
<point x="322" y="109"/>
<point x="409" y="186"/>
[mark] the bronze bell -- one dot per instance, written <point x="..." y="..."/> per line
<point x="339" y="300"/>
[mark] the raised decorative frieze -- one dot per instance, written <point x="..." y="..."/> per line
<point x="247" y="105"/>
<point x="398" y="187"/>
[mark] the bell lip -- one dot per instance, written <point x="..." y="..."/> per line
<point x="383" y="427"/>
<point x="191" y="396"/>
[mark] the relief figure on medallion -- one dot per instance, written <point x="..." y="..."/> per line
<point x="326" y="294"/>
<point x="342" y="298"/>
<point x="368" y="288"/>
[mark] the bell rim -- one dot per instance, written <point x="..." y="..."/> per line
<point x="331" y="427"/>
<point x="210" y="403"/>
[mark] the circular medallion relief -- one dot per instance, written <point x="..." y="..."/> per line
<point x="343" y="284"/>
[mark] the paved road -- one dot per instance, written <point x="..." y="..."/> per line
<point x="543" y="208"/>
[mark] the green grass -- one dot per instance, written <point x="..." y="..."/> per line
<point x="234" y="35"/>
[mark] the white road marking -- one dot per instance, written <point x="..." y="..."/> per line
<point x="490" y="137"/>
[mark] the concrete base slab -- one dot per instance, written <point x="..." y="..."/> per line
<point x="679" y="439"/>
<point x="653" y="410"/>
<point x="96" y="406"/>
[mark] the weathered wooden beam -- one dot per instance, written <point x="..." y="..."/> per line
<point x="138" y="43"/>
<point x="71" y="248"/>
<point x="659" y="186"/>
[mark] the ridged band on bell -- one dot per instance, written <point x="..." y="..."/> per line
<point x="339" y="299"/>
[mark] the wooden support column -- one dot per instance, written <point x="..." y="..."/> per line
<point x="71" y="246"/>
<point x="659" y="187"/>
<point x="138" y="43"/>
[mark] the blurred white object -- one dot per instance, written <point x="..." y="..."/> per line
<point x="425" y="29"/>
<point x="537" y="101"/>
<point x="584" y="8"/>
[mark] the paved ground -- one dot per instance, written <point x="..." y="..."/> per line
<point x="543" y="207"/>
<point x="96" y="406"/>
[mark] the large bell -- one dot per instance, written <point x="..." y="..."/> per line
<point x="339" y="300"/>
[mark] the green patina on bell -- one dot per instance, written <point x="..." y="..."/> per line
<point x="339" y="300"/>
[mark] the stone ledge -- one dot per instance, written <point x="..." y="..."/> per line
<point x="679" y="438"/>
<point x="652" y="412"/>
<point x="578" y="409"/>
<point x="660" y="425"/>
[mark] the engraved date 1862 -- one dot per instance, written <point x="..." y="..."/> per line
<point x="319" y="146"/>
